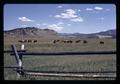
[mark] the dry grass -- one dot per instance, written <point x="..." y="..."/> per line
<point x="63" y="63"/>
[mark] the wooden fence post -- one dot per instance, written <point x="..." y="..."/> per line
<point x="22" y="47"/>
<point x="18" y="60"/>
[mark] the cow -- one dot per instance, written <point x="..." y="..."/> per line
<point x="101" y="42"/>
<point x="21" y="41"/>
<point x="69" y="41"/>
<point x="54" y="41"/>
<point x="63" y="41"/>
<point x="25" y="40"/>
<point x="29" y="41"/>
<point x="78" y="41"/>
<point x="34" y="41"/>
<point x="84" y="41"/>
<point x="57" y="40"/>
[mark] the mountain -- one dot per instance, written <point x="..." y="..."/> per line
<point x="111" y="32"/>
<point x="107" y="33"/>
<point x="30" y="32"/>
<point x="48" y="33"/>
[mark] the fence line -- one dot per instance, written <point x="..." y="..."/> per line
<point x="11" y="51"/>
<point x="72" y="75"/>
<point x="20" y="71"/>
<point x="67" y="53"/>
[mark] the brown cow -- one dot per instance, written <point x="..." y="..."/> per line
<point x="101" y="42"/>
<point x="25" y="40"/>
<point x="20" y="41"/>
<point x="35" y="41"/>
<point x="84" y="41"/>
<point x="29" y="41"/>
<point x="78" y="41"/>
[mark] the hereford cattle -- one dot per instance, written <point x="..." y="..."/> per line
<point x="54" y="41"/>
<point x="25" y="41"/>
<point x="21" y="41"/>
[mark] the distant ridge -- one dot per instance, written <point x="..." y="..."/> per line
<point x="36" y="32"/>
<point x="30" y="32"/>
<point x="111" y="33"/>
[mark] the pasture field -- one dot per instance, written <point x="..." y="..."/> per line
<point x="62" y="63"/>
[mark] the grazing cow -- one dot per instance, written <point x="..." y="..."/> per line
<point x="21" y="41"/>
<point x="78" y="41"/>
<point x="63" y="41"/>
<point x="66" y="41"/>
<point x="54" y="41"/>
<point x="101" y="42"/>
<point x="70" y="41"/>
<point x="84" y="41"/>
<point x="29" y="41"/>
<point x="57" y="40"/>
<point x="25" y="40"/>
<point x="35" y="41"/>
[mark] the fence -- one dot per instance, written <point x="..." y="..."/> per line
<point x="22" y="72"/>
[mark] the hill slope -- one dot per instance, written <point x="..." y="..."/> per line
<point x="30" y="32"/>
<point x="47" y="33"/>
<point x="111" y="33"/>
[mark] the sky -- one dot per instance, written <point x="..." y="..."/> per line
<point x="63" y="18"/>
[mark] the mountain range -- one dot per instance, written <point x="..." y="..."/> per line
<point x="36" y="32"/>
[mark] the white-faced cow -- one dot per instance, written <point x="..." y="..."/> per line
<point x="21" y="41"/>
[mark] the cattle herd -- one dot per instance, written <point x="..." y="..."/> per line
<point x="71" y="41"/>
<point x="59" y="41"/>
<point x="27" y="41"/>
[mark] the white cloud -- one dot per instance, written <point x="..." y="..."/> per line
<point x="55" y="27"/>
<point x="25" y="19"/>
<point x="89" y="9"/>
<point x="58" y="16"/>
<point x="79" y="10"/>
<point x="59" y="6"/>
<point x="98" y="8"/>
<point x="60" y="23"/>
<point x="68" y="24"/>
<point x="77" y="20"/>
<point x="69" y="13"/>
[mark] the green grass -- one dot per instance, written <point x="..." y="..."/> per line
<point x="62" y="63"/>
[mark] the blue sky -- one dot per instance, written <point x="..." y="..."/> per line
<point x="63" y="18"/>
